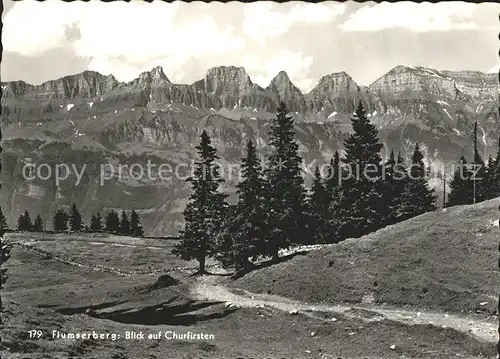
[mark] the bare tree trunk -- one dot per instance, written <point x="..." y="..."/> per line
<point x="201" y="261"/>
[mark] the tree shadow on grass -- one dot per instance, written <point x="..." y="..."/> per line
<point x="88" y="308"/>
<point x="163" y="313"/>
<point x="268" y="263"/>
<point x="185" y="313"/>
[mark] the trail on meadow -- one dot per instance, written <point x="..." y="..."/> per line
<point x="209" y="288"/>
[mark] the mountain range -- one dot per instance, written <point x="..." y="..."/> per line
<point x="95" y="119"/>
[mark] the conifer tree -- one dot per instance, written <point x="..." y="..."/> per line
<point x="490" y="185"/>
<point x="24" y="222"/>
<point x="204" y="212"/>
<point x="60" y="221"/>
<point x="333" y="188"/>
<point x="390" y="205"/>
<point x="229" y="250"/>
<point x="479" y="174"/>
<point x="332" y="183"/>
<point x="38" y="225"/>
<point x="318" y="203"/>
<point x="75" y="220"/>
<point x="418" y="198"/>
<point x="125" y="224"/>
<point x="362" y="190"/>
<point x="244" y="228"/>
<point x="21" y="226"/>
<point x="112" y="222"/>
<point x="460" y="185"/>
<point x="495" y="174"/>
<point x="96" y="223"/>
<point x="285" y="193"/>
<point x="3" y="221"/>
<point x="135" y="225"/>
<point x="4" y="250"/>
<point x="400" y="184"/>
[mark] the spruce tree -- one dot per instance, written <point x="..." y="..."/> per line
<point x="228" y="250"/>
<point x="418" y="198"/>
<point x="490" y="187"/>
<point x="38" y="225"/>
<point x="460" y="185"/>
<point x="362" y="190"/>
<point x="400" y="184"/>
<point x="3" y="222"/>
<point x="125" y="224"/>
<point x="495" y="174"/>
<point x="318" y="203"/>
<point x="24" y="222"/>
<point x="5" y="248"/>
<point x="135" y="225"/>
<point x="479" y="175"/>
<point x="390" y="208"/>
<point x="285" y="193"/>
<point x="333" y="188"/>
<point x="60" y="221"/>
<point x="75" y="220"/>
<point x="21" y="223"/>
<point x="204" y="212"/>
<point x="332" y="182"/>
<point x="112" y="222"/>
<point x="4" y="251"/>
<point x="96" y="223"/>
<point x="244" y="227"/>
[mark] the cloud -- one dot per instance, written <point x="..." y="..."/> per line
<point x="261" y="22"/>
<point x="417" y="17"/>
<point x="123" y="38"/>
<point x="296" y="65"/>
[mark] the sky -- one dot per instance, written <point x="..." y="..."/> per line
<point x="48" y="40"/>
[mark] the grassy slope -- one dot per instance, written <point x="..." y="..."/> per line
<point x="440" y="260"/>
<point x="121" y="252"/>
<point x="48" y="295"/>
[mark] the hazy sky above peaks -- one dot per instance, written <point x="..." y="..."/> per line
<point x="51" y="39"/>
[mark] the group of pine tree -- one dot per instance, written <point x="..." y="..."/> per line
<point x="63" y="221"/>
<point x="476" y="181"/>
<point x="275" y="211"/>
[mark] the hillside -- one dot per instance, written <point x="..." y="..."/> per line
<point x="87" y="282"/>
<point x="444" y="260"/>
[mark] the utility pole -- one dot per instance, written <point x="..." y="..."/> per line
<point x="444" y="189"/>
<point x="474" y="165"/>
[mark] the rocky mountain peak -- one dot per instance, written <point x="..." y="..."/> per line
<point x="286" y="91"/>
<point x="336" y="82"/>
<point x="230" y="79"/>
<point x="155" y="75"/>
<point x="281" y="78"/>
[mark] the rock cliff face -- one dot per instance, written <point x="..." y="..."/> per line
<point x="88" y="84"/>
<point x="284" y="90"/>
<point x="94" y="120"/>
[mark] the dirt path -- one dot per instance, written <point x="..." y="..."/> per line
<point x="208" y="288"/>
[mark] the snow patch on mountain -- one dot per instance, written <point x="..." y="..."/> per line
<point x="484" y="136"/>
<point x="69" y="106"/>
<point x="333" y="114"/>
<point x="446" y="111"/>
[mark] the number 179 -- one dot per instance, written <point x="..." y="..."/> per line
<point x="35" y="334"/>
